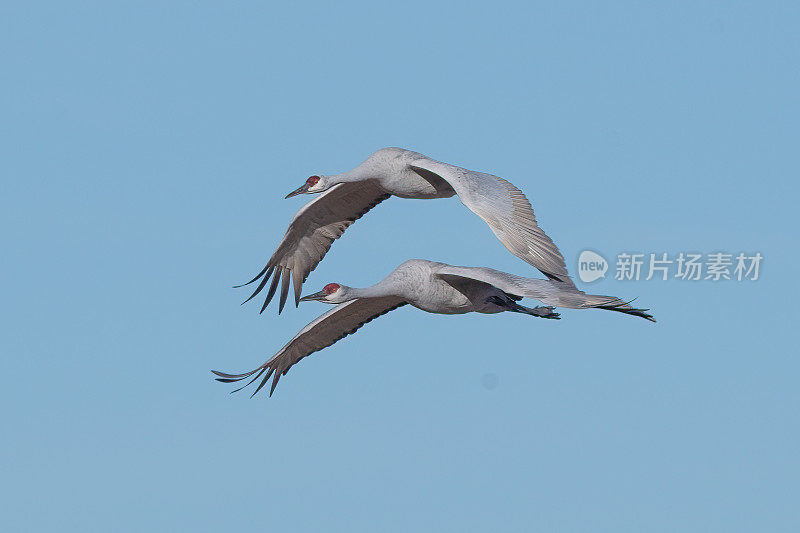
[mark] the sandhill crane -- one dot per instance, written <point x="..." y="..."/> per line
<point x="397" y="172"/>
<point x="432" y="287"/>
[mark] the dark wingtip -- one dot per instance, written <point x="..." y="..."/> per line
<point x="284" y="289"/>
<point x="254" y="279"/>
<point x="233" y="378"/>
<point x="266" y="273"/>
<point x="273" y="287"/>
<point x="274" y="383"/>
<point x="226" y="375"/>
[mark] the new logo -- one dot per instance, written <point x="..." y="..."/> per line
<point x="591" y="266"/>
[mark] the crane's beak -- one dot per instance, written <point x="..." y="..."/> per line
<point x="320" y="296"/>
<point x="301" y="190"/>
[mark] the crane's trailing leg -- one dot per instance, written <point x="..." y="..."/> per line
<point x="511" y="305"/>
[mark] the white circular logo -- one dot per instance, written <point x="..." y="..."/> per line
<point x="591" y="266"/>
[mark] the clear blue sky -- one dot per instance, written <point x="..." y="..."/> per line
<point x="145" y="150"/>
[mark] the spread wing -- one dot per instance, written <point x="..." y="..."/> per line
<point x="326" y="330"/>
<point x="311" y="234"/>
<point x="505" y="209"/>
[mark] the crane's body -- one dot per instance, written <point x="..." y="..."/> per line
<point x="432" y="287"/>
<point x="416" y="284"/>
<point x="427" y="286"/>
<point x="390" y="169"/>
<point x="346" y="197"/>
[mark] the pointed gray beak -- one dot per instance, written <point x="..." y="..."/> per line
<point x="301" y="190"/>
<point x="316" y="297"/>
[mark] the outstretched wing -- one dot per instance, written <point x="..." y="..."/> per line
<point x="311" y="234"/>
<point x="326" y="330"/>
<point x="505" y="209"/>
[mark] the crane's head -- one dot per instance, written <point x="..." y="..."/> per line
<point x="312" y="185"/>
<point x="332" y="293"/>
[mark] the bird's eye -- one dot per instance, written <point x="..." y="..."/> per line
<point x="330" y="288"/>
<point x="313" y="180"/>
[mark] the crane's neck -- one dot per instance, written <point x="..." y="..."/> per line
<point x="352" y="176"/>
<point x="379" y="290"/>
<point x="368" y="170"/>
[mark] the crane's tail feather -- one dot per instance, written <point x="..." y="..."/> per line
<point x="612" y="303"/>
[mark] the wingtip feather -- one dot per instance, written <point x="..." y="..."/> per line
<point x="254" y="279"/>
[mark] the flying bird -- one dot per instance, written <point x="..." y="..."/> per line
<point x="397" y="172"/>
<point x="432" y="287"/>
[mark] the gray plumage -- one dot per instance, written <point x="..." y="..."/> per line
<point x="390" y="172"/>
<point x="432" y="287"/>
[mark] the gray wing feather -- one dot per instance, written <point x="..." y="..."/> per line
<point x="507" y="212"/>
<point x="326" y="330"/>
<point x="547" y="291"/>
<point x="550" y="292"/>
<point x="311" y="234"/>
